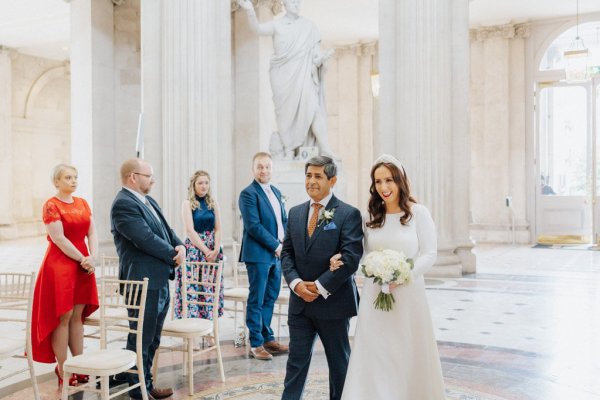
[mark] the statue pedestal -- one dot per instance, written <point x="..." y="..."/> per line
<point x="288" y="177"/>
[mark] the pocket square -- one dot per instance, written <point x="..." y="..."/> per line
<point x="330" y="226"/>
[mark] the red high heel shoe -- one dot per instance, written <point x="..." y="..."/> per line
<point x="72" y="380"/>
<point x="82" y="378"/>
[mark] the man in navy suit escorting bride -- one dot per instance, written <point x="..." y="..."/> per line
<point x="323" y="301"/>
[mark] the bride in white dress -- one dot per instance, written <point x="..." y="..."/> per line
<point x="394" y="354"/>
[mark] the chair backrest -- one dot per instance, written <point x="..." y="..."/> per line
<point x="121" y="299"/>
<point x="16" y="294"/>
<point x="204" y="284"/>
<point x="16" y="300"/>
<point x="237" y="266"/>
<point x="108" y="268"/>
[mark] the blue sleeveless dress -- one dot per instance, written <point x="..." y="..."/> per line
<point x="204" y="225"/>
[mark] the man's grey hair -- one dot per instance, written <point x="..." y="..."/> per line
<point x="323" y="161"/>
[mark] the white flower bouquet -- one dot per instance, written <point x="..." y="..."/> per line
<point x="386" y="267"/>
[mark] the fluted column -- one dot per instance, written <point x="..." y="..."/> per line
<point x="186" y="75"/>
<point x="424" y="115"/>
<point x="6" y="155"/>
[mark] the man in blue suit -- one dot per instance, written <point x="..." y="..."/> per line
<point x="264" y="218"/>
<point x="147" y="248"/>
<point x="323" y="301"/>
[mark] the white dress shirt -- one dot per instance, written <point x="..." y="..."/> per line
<point x="277" y="209"/>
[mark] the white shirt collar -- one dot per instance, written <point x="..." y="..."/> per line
<point x="323" y="201"/>
<point x="264" y="186"/>
<point x="139" y="196"/>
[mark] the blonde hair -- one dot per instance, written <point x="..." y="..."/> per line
<point x="58" y="170"/>
<point x="194" y="203"/>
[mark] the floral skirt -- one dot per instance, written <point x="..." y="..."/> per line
<point x="195" y="255"/>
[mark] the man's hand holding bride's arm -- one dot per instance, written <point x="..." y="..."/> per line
<point x="335" y="262"/>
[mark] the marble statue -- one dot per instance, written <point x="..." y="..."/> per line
<point x="297" y="79"/>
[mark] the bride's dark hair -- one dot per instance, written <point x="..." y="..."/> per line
<point x="376" y="204"/>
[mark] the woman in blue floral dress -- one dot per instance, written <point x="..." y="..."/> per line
<point x="202" y="224"/>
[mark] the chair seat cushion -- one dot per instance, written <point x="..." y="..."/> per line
<point x="236" y="293"/>
<point x="101" y="362"/>
<point x="198" y="326"/>
<point x="9" y="345"/>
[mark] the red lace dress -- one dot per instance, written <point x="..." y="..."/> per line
<point x="61" y="281"/>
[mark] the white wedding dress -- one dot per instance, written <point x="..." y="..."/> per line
<point x="394" y="354"/>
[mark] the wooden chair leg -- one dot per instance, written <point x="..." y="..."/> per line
<point x="36" y="390"/>
<point x="190" y="360"/>
<point x="104" y="388"/>
<point x="155" y="365"/>
<point x="246" y="331"/>
<point x="220" y="361"/>
<point x="142" y="380"/>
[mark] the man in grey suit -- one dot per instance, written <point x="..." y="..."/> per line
<point x="323" y="301"/>
<point x="147" y="248"/>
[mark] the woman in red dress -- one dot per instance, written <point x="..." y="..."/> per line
<point x="65" y="290"/>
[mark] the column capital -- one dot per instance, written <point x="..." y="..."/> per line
<point x="506" y="31"/>
<point x="276" y="6"/>
<point x="356" y="49"/>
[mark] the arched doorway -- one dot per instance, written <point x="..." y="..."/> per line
<point x="567" y="167"/>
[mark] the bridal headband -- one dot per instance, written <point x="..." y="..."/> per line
<point x="388" y="159"/>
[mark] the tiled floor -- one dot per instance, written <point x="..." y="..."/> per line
<point x="524" y="327"/>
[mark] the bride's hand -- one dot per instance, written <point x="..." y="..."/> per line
<point x="335" y="262"/>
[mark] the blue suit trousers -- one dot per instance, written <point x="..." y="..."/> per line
<point x="265" y="284"/>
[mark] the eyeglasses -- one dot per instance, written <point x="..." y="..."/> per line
<point x="146" y="175"/>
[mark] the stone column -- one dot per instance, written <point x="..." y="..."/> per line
<point x="348" y="117"/>
<point x="6" y="155"/>
<point x="254" y="116"/>
<point x="254" y="109"/>
<point x="498" y="126"/>
<point x="92" y="107"/>
<point x="366" y="116"/>
<point x="424" y="114"/>
<point x="186" y="80"/>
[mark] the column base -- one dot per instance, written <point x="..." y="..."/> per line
<point x="453" y="262"/>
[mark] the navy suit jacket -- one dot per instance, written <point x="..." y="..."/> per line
<point x="260" y="224"/>
<point x="145" y="248"/>
<point x="308" y="259"/>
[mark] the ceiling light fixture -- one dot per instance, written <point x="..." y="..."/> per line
<point x="576" y="58"/>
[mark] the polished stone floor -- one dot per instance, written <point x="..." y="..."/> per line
<point x="525" y="326"/>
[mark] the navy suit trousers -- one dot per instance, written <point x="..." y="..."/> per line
<point x="303" y="334"/>
<point x="157" y="307"/>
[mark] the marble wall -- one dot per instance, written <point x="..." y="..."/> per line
<point x="35" y="136"/>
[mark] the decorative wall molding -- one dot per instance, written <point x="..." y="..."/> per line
<point x="276" y="6"/>
<point x="63" y="71"/>
<point x="508" y="31"/>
